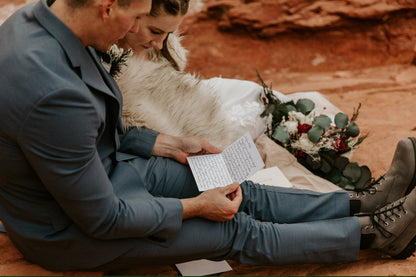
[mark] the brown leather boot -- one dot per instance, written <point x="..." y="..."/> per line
<point x="392" y="228"/>
<point x="399" y="180"/>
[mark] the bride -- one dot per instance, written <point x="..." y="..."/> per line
<point x="160" y="95"/>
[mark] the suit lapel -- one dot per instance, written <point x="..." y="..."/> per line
<point x="85" y="60"/>
<point x="77" y="55"/>
<point x="106" y="76"/>
<point x="111" y="83"/>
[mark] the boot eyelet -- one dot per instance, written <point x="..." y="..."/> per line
<point x="386" y="223"/>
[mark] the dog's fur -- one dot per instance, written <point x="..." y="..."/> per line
<point x="158" y="97"/>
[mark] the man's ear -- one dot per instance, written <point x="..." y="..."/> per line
<point x="106" y="6"/>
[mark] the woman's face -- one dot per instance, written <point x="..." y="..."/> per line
<point x="152" y="32"/>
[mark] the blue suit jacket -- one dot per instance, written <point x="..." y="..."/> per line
<point x="63" y="153"/>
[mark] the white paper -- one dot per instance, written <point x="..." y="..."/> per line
<point x="210" y="171"/>
<point x="237" y="162"/>
<point x="271" y="176"/>
<point x="203" y="267"/>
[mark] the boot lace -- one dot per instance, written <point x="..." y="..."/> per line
<point x="370" y="188"/>
<point x="383" y="217"/>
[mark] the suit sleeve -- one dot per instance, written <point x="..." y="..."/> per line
<point x="59" y="139"/>
<point x="138" y="141"/>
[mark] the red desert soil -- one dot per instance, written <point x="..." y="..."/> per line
<point x="356" y="51"/>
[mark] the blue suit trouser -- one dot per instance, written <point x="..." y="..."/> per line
<point x="274" y="225"/>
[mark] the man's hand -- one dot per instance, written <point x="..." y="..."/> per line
<point x="178" y="148"/>
<point x="219" y="204"/>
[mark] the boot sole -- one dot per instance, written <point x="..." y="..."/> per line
<point x="413" y="182"/>
<point x="407" y="251"/>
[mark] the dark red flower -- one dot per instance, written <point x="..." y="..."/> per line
<point x="339" y="145"/>
<point x="304" y="128"/>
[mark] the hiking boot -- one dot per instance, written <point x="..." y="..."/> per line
<point x="392" y="228"/>
<point x="399" y="180"/>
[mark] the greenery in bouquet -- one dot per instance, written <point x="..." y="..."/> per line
<point x="322" y="145"/>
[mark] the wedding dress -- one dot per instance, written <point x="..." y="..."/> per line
<point x="241" y="100"/>
<point x="221" y="110"/>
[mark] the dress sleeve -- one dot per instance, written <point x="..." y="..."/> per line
<point x="59" y="138"/>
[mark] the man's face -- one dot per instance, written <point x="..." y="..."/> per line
<point x="120" y="20"/>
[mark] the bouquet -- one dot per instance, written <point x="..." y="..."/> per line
<point x="322" y="145"/>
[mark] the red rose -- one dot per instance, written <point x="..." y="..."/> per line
<point x="304" y="128"/>
<point x="339" y="145"/>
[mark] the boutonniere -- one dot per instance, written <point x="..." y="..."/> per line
<point x="116" y="59"/>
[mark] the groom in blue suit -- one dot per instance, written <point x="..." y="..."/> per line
<point x="78" y="192"/>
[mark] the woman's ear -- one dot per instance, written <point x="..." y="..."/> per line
<point x="106" y="6"/>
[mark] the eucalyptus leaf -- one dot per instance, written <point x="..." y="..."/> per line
<point x="281" y="134"/>
<point x="365" y="178"/>
<point x="315" y="134"/>
<point x="349" y="186"/>
<point x="279" y="113"/>
<point x="334" y="176"/>
<point x="268" y="110"/>
<point x="345" y="183"/>
<point x="325" y="166"/>
<point x="341" y="120"/>
<point x="329" y="155"/>
<point x="341" y="162"/>
<point x="311" y="163"/>
<point x="322" y="121"/>
<point x="352" y="172"/>
<point x="305" y="106"/>
<point x="352" y="130"/>
<point x="290" y="108"/>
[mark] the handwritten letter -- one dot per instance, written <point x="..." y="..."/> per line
<point x="237" y="162"/>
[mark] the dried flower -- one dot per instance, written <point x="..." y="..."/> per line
<point x="304" y="128"/>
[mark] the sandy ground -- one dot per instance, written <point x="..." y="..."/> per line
<point x="387" y="93"/>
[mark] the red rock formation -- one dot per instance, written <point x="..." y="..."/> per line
<point x="271" y="17"/>
<point x="299" y="35"/>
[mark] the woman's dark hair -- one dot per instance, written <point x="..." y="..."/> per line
<point x="171" y="7"/>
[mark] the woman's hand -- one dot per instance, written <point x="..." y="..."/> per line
<point x="219" y="204"/>
<point x="179" y="148"/>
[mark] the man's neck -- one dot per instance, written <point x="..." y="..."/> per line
<point x="76" y="19"/>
